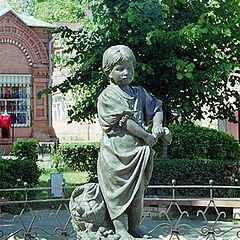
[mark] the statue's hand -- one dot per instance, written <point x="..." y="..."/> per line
<point x="157" y="131"/>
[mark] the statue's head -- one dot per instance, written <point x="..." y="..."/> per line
<point x="115" y="54"/>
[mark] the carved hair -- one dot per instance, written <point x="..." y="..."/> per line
<point x="115" y="54"/>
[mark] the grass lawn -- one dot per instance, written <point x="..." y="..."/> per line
<point x="72" y="178"/>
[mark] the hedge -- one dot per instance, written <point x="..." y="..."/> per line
<point x="26" y="149"/>
<point x="20" y="168"/>
<point x="192" y="172"/>
<point x="196" y="153"/>
<point x="78" y="156"/>
<point x="195" y="142"/>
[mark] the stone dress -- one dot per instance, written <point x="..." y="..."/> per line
<point x="125" y="162"/>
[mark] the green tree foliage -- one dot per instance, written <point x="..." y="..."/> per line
<point x="27" y="7"/>
<point x="186" y="51"/>
<point x="58" y="10"/>
<point x="49" y="10"/>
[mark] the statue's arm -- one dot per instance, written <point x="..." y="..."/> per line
<point x="137" y="131"/>
<point x="157" y="129"/>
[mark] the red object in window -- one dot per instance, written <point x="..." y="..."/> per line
<point x="5" y="121"/>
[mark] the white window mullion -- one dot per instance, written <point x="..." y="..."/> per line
<point x="28" y="104"/>
<point x="4" y="81"/>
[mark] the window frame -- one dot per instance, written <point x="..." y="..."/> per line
<point x="20" y="81"/>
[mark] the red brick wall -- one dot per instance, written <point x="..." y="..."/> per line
<point x="13" y="60"/>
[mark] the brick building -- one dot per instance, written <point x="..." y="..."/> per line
<point x="24" y="70"/>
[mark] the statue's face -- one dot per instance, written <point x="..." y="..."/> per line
<point x="123" y="73"/>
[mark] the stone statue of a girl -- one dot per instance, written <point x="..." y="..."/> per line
<point x="125" y="162"/>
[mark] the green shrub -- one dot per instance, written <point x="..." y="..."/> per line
<point x="14" y="172"/>
<point x="195" y="142"/>
<point x="21" y="168"/>
<point x="191" y="172"/>
<point x="78" y="156"/>
<point x="26" y="149"/>
<point x="196" y="155"/>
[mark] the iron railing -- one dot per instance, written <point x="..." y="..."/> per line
<point x="30" y="228"/>
<point x="56" y="223"/>
<point x="47" y="148"/>
<point x="215" y="228"/>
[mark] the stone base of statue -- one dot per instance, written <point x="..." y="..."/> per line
<point x="90" y="218"/>
<point x="89" y="214"/>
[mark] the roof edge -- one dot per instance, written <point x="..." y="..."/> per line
<point x="27" y="19"/>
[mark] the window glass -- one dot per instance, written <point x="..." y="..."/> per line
<point x="15" y="100"/>
<point x="59" y="108"/>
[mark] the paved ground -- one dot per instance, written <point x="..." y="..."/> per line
<point x="44" y="224"/>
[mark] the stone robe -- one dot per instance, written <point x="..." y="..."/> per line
<point x="125" y="161"/>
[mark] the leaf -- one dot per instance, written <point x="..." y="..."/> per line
<point x="188" y="75"/>
<point x="190" y="67"/>
<point x="228" y="32"/>
<point x="49" y="31"/>
<point x="179" y="76"/>
<point x="39" y="95"/>
<point x="149" y="36"/>
<point x="132" y="4"/>
<point x="178" y="66"/>
<point x="47" y="91"/>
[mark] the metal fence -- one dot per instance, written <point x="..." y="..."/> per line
<point x="45" y="149"/>
<point x="216" y="226"/>
<point x="30" y="223"/>
<point x="54" y="222"/>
